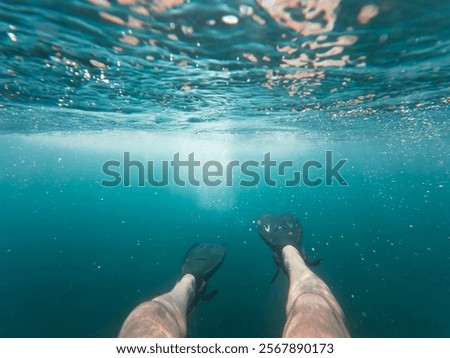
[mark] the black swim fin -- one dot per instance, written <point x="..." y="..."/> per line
<point x="277" y="260"/>
<point x="201" y="261"/>
<point x="275" y="276"/>
<point x="281" y="230"/>
<point x="210" y="295"/>
<point x="305" y="258"/>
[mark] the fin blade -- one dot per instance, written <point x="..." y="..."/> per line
<point x="275" y="276"/>
<point x="210" y="295"/>
<point x="304" y="256"/>
<point x="313" y="263"/>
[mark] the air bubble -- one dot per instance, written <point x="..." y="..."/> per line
<point x="230" y="19"/>
<point x="12" y="37"/>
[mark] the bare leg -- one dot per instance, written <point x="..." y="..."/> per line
<point x="164" y="316"/>
<point x="312" y="310"/>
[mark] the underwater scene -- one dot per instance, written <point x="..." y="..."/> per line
<point x="131" y="130"/>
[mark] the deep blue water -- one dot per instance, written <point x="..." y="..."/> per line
<point x="83" y="83"/>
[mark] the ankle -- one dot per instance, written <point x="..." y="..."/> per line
<point x="292" y="261"/>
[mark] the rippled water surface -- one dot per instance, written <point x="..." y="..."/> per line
<point x="313" y="64"/>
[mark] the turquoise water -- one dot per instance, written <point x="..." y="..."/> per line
<point x="84" y="83"/>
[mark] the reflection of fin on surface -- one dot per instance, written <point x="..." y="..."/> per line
<point x="281" y="230"/>
<point x="201" y="261"/>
